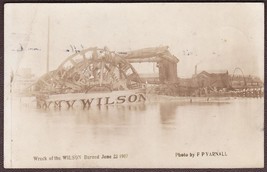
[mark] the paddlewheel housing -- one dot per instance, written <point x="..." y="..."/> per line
<point x="90" y="70"/>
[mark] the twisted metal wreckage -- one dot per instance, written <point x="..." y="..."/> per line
<point x="93" y="72"/>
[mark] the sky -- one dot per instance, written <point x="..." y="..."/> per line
<point x="219" y="36"/>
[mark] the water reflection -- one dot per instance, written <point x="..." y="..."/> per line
<point x="109" y="115"/>
<point x="149" y="129"/>
<point x="169" y="110"/>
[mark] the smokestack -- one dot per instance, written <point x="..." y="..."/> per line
<point x="195" y="69"/>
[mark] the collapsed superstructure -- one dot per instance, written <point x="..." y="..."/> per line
<point x="166" y="62"/>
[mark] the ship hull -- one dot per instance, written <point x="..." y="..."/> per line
<point x="93" y="98"/>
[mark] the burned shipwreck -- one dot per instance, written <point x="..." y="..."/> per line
<point x="94" y="71"/>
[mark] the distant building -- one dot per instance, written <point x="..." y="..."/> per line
<point x="212" y="79"/>
<point x="241" y="82"/>
<point x="23" y="80"/>
<point x="25" y="73"/>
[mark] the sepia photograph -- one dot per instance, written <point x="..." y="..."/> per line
<point x="134" y="85"/>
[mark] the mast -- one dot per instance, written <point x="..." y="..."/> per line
<point x="48" y="44"/>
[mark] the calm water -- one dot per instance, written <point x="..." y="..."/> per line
<point x="150" y="134"/>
